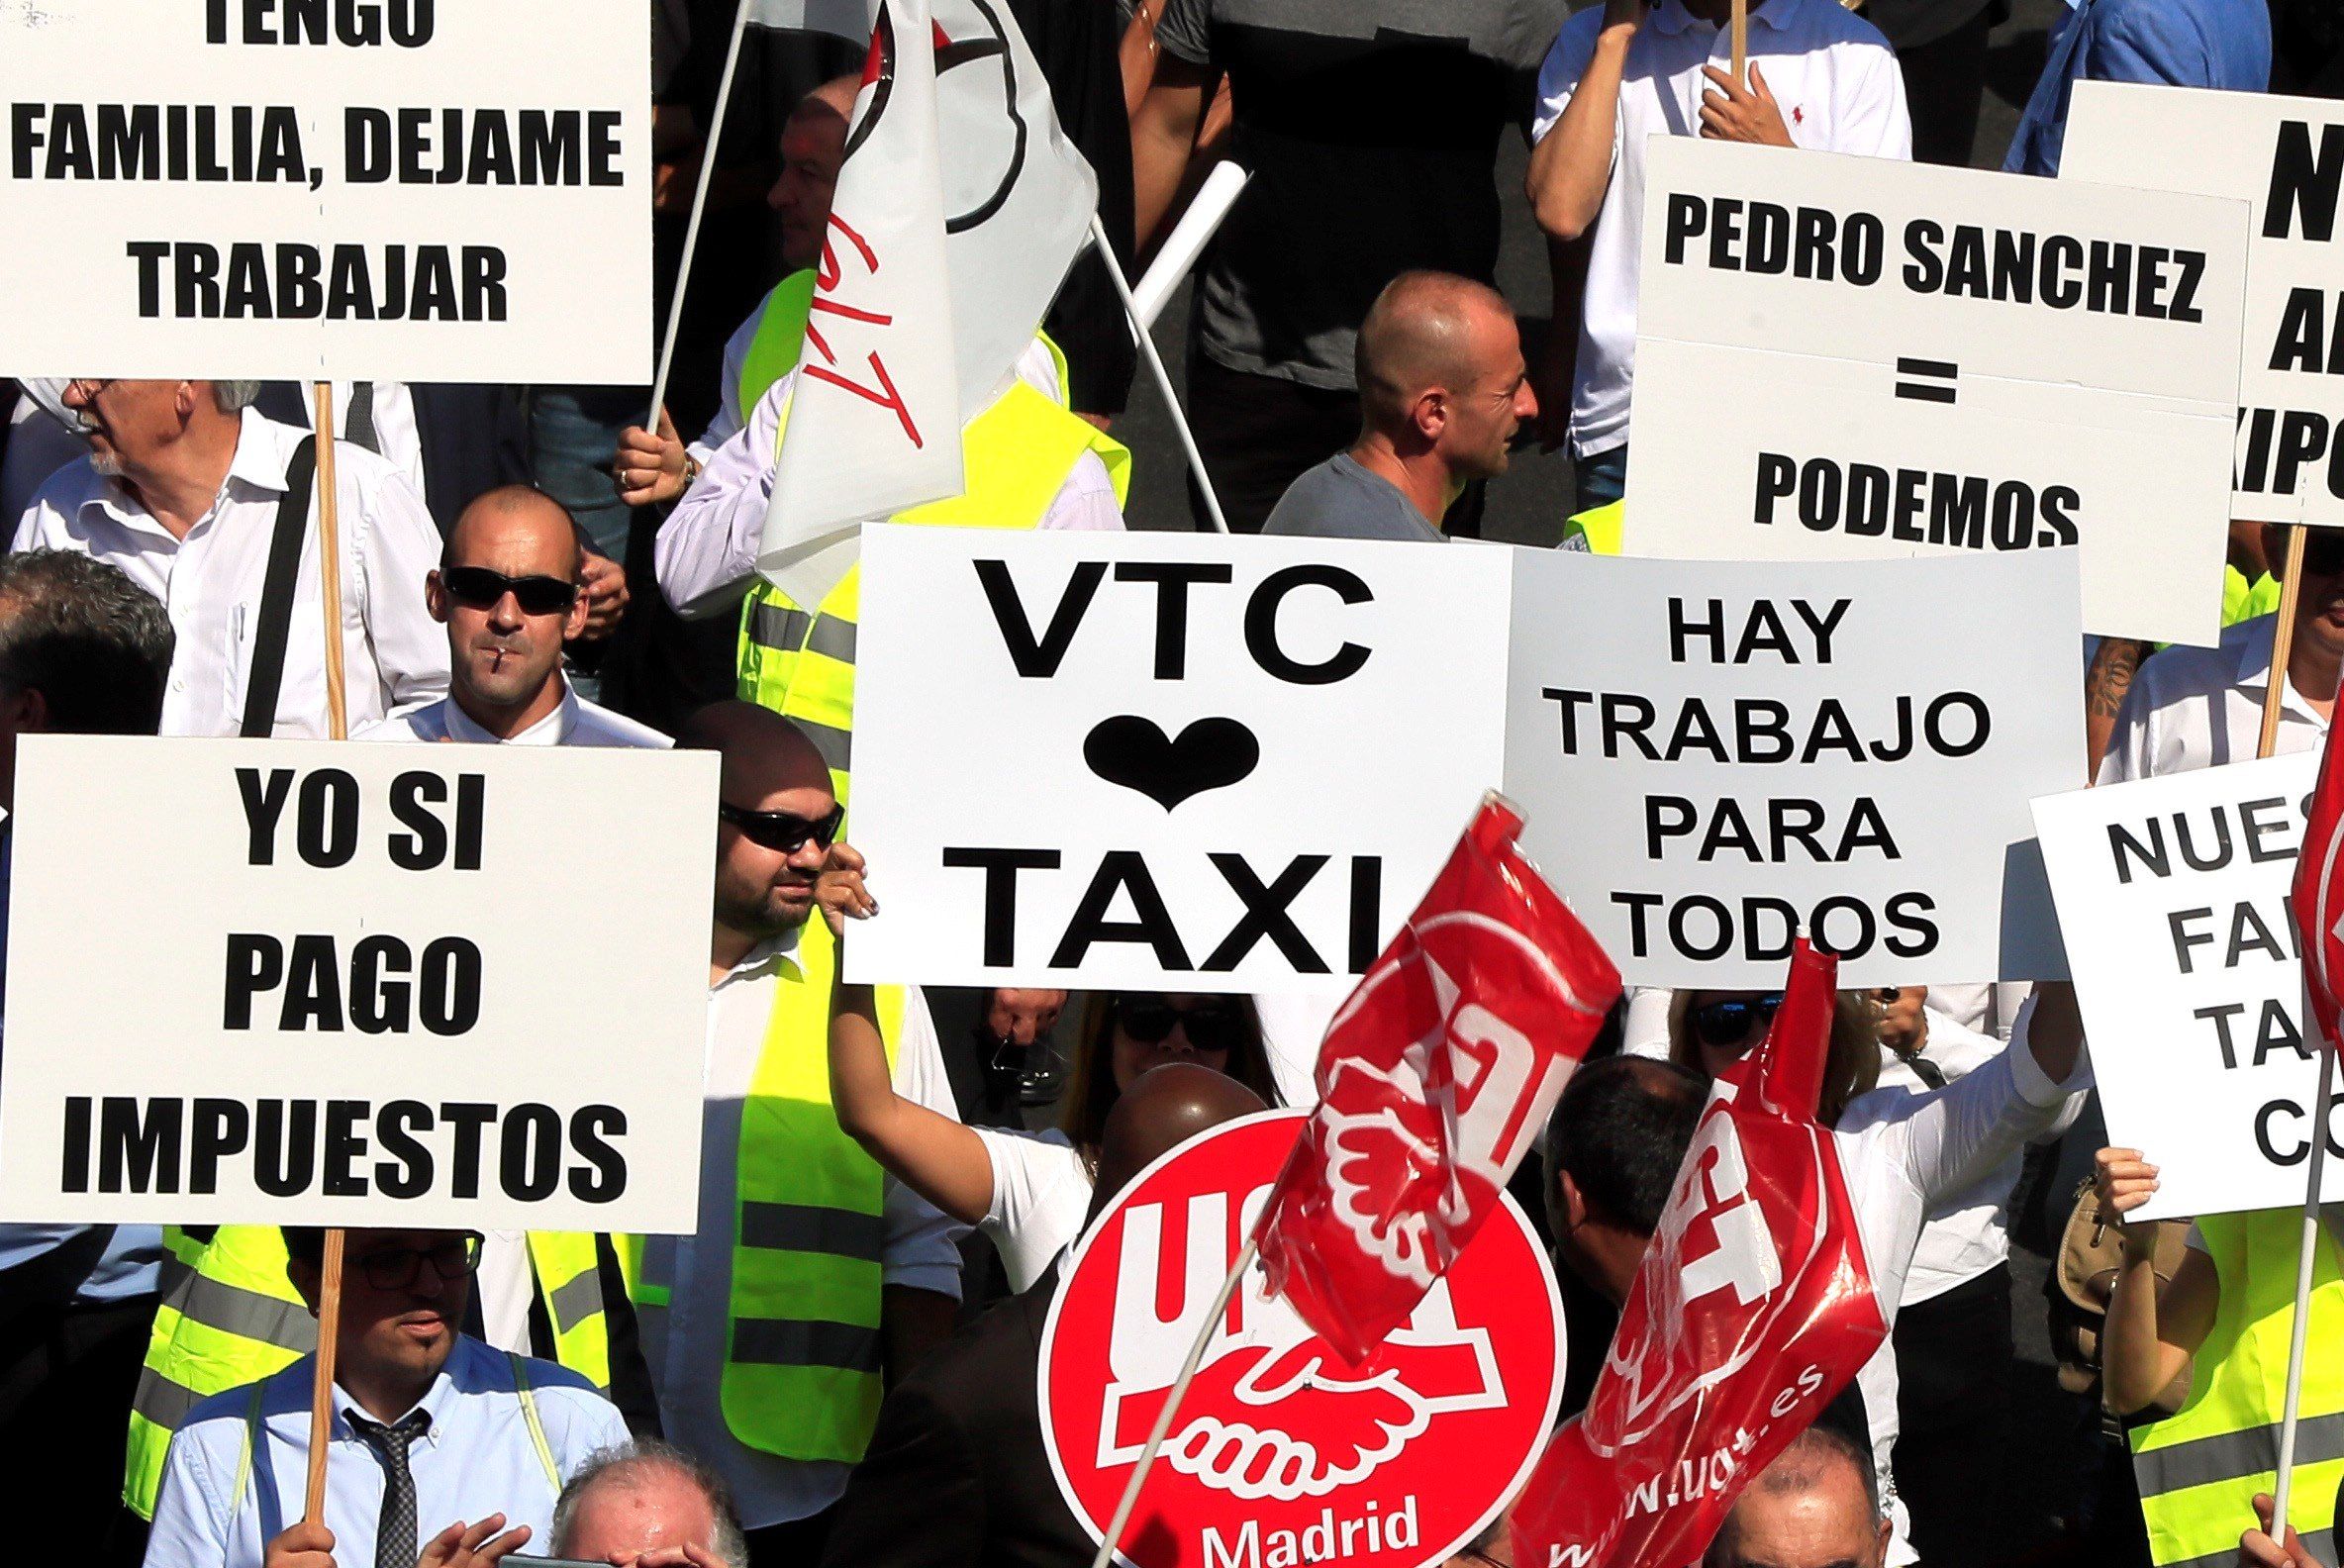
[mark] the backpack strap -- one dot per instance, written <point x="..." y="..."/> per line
<point x="267" y="676"/>
<point x="537" y="1427"/>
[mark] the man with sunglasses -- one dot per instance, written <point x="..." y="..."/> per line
<point x="814" y="1276"/>
<point x="508" y="591"/>
<point x="443" y="1450"/>
<point x="188" y="489"/>
<point x="2193" y="708"/>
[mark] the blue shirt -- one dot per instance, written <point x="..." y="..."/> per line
<point x="477" y="1459"/>
<point x="2223" y="43"/>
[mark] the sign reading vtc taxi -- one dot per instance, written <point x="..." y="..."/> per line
<point x="1848" y="357"/>
<point x="2284" y="157"/>
<point x="314" y="190"/>
<point x="291" y="982"/>
<point x="1281" y="1454"/>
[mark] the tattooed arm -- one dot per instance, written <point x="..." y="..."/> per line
<point x="2104" y="687"/>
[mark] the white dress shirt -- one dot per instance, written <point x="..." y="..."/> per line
<point x="706" y="551"/>
<point x="2193" y="708"/>
<point x="1840" y="91"/>
<point x="576" y="722"/>
<point x="477" y="1459"/>
<point x="1041" y="1194"/>
<point x="727" y="422"/>
<point x="393" y="651"/>
<point x="685" y="1343"/>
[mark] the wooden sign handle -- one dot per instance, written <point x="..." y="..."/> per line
<point x="337" y="723"/>
<point x="321" y="1392"/>
<point x="1741" y="42"/>
<point x="2283" y="639"/>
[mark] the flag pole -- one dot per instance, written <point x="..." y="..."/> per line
<point x="708" y="166"/>
<point x="2283" y="639"/>
<point x="1155" y="366"/>
<point x="321" y="1394"/>
<point x="1188" y="1371"/>
<point x="2307" y="1254"/>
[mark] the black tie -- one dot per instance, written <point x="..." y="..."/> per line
<point x="394" y="1528"/>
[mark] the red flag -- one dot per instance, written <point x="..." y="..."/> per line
<point x="2317" y="900"/>
<point x="1435" y="1076"/>
<point x="1752" y="1310"/>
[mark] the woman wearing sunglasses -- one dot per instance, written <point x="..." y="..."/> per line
<point x="1909" y="1150"/>
<point x="1028" y="1192"/>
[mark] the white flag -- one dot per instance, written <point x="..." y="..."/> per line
<point x="873" y="424"/>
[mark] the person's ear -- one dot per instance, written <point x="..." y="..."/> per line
<point x="304" y="1276"/>
<point x="435" y="596"/>
<point x="1880" y="1545"/>
<point x="183" y="401"/>
<point x="1432" y="413"/>
<point x="2275" y="547"/>
<point x="23" y="709"/>
<point x="575" y="621"/>
<point x="1572" y="1210"/>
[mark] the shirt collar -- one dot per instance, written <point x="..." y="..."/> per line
<point x="258" y="463"/>
<point x="554" y="729"/>
<point x="434" y="1403"/>
<point x="765" y="956"/>
<point x="1670" y="16"/>
<point x="2255" y="647"/>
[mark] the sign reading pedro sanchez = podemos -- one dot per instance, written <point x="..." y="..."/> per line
<point x="303" y="983"/>
<point x="312" y="189"/>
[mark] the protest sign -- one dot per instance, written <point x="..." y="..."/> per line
<point x="320" y="189"/>
<point x="2173" y="897"/>
<point x="303" y="983"/>
<point x="2282" y="157"/>
<point x="1959" y="362"/>
<point x="1162" y="759"/>
<point x="1281" y="1454"/>
<point x="1714" y="755"/>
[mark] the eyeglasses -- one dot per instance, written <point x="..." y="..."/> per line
<point x="1150" y="1020"/>
<point x="89" y="386"/>
<point x="1734" y="1019"/>
<point x="784" y="832"/>
<point x="397" y="1268"/>
<point x="482" y="589"/>
<point x="2323" y="553"/>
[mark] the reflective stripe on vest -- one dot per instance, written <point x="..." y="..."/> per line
<point x="2200" y="1468"/>
<point x="1016" y="455"/>
<point x="781" y="333"/>
<point x="802" y="1368"/>
<point x="233" y="1317"/>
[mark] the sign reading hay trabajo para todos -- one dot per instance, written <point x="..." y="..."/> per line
<point x="2172" y="899"/>
<point x="312" y="189"/>
<point x="1714" y="756"/>
<point x="2286" y="157"/>
<point x="1849" y="358"/>
<point x="1164" y="760"/>
<point x="300" y="983"/>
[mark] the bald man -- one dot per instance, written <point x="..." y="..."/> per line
<point x="959" y="1445"/>
<point x="648" y="1504"/>
<point x="1443" y="389"/>
<point x="814" y="1274"/>
<point x="1814" y="1507"/>
<point x="507" y="588"/>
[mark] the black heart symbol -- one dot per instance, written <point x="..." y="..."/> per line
<point x="1209" y="754"/>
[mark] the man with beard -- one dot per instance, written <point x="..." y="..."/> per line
<point x="442" y="1450"/>
<point x="814" y="1274"/>
<point x="1443" y="389"/>
<point x="507" y="589"/>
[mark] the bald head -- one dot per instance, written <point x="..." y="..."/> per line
<point x="645" y="1496"/>
<point x="833" y="97"/>
<point x="763" y="753"/>
<point x="1163" y="1109"/>
<point x="813" y="150"/>
<point x="1816" y="1506"/>
<point x="517" y="518"/>
<point x="1426" y="329"/>
<point x="505" y="657"/>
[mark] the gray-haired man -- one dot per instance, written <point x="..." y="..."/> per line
<point x="648" y="1504"/>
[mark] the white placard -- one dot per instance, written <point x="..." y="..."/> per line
<point x="1716" y="755"/>
<point x="294" y="982"/>
<point x="1849" y="358"/>
<point x="1184" y="762"/>
<point x="2280" y="156"/>
<point x="2172" y="897"/>
<point x="320" y="189"/>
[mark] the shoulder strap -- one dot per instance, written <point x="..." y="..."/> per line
<point x="267" y="677"/>
<point x="537" y="1427"/>
<point x="254" y="1444"/>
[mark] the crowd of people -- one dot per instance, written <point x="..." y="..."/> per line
<point x="837" y="1367"/>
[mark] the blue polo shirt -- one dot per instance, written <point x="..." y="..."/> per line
<point x="2224" y="43"/>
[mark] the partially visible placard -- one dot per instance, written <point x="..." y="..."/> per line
<point x="1714" y="757"/>
<point x="291" y="982"/>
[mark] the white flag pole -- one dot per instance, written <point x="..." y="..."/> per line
<point x="1196" y="1351"/>
<point x="708" y="168"/>
<point x="2307" y="1252"/>
<point x="1188" y="238"/>
<point x="1188" y="441"/>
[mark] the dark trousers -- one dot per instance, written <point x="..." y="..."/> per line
<point x="793" y="1544"/>
<point x="1954" y="1359"/>
<point x="1944" y="82"/>
<point x="66" y="1377"/>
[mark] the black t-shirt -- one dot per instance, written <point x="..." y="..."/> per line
<point x="1371" y="127"/>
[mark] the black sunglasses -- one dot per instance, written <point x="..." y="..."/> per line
<point x="2323" y="555"/>
<point x="397" y="1268"/>
<point x="483" y="589"/>
<point x="1734" y="1019"/>
<point x="1150" y="1020"/>
<point x="784" y="832"/>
